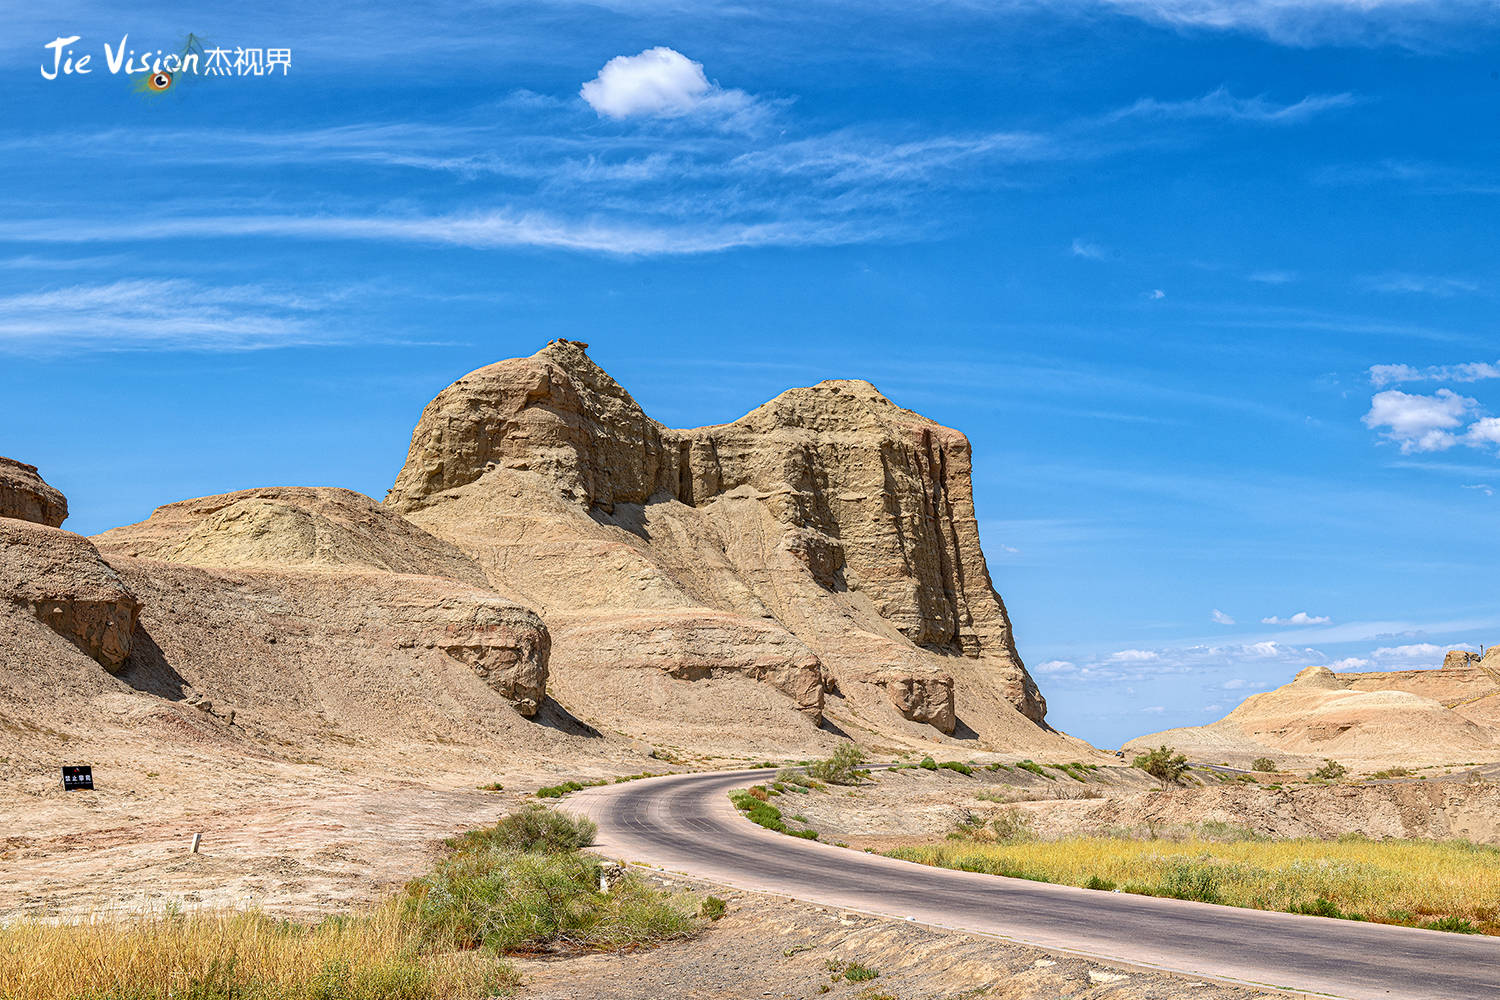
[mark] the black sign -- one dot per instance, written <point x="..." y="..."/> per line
<point x="78" y="777"/>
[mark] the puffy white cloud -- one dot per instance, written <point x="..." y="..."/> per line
<point x="1221" y="617"/>
<point x="1056" y="667"/>
<point x="1417" y="422"/>
<point x="1417" y="654"/>
<point x="1132" y="656"/>
<point x="1300" y="618"/>
<point x="1156" y="293"/>
<point x="658" y="82"/>
<point x="1469" y="371"/>
<point x="1348" y="663"/>
<point x="1485" y="431"/>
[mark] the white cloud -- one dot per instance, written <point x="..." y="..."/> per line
<point x="1310" y="22"/>
<point x="1154" y="709"/>
<point x="1348" y="663"/>
<point x="1470" y="371"/>
<point x="1420" y="284"/>
<point x="1084" y="248"/>
<point x="1484" y="488"/>
<point x="1156" y="293"/>
<point x="1221" y="104"/>
<point x="1056" y="667"/>
<point x="1417" y="422"/>
<point x="1234" y="684"/>
<point x="1272" y="277"/>
<point x="1221" y="617"/>
<point x="1485" y="431"/>
<point x="158" y="313"/>
<point x="1265" y="650"/>
<point x="658" y="82"/>
<point x="1415" y="655"/>
<point x="1132" y="656"/>
<point x="1300" y="618"/>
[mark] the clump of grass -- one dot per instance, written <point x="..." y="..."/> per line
<point x="1102" y="884"/>
<point x="1331" y="770"/>
<point x="858" y="972"/>
<point x="1076" y="770"/>
<point x="843" y="768"/>
<point x="1392" y="772"/>
<point x="558" y="791"/>
<point x="762" y="813"/>
<point x="1454" y="925"/>
<point x="713" y="908"/>
<point x="928" y="764"/>
<point x="523" y="886"/>
<point x="1011" y="826"/>
<point x="493" y="786"/>
<point x="956" y="765"/>
<point x="1447" y="884"/>
<point x="1034" y="768"/>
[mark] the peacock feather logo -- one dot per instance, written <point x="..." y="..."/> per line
<point x="157" y="81"/>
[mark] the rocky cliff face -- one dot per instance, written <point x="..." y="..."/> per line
<point x="829" y="516"/>
<point x="25" y="496"/>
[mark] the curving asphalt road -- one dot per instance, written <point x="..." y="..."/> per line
<point x="685" y="823"/>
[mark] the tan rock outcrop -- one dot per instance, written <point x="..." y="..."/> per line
<point x="827" y="514"/>
<point x="24" y="495"/>
<point x="62" y="580"/>
<point x="420" y="592"/>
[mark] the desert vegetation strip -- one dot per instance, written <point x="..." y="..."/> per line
<point x="1448" y="885"/>
<point x="523" y="886"/>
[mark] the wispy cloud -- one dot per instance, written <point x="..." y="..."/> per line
<point x="1222" y="105"/>
<point x="1441" y="286"/>
<point x="1221" y="618"/>
<point x="1412" y="23"/>
<point x="1469" y="371"/>
<point x="125" y="315"/>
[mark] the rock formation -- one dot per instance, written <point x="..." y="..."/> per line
<point x="365" y="573"/>
<point x="57" y="576"/>
<point x="1397" y="717"/>
<point x="60" y="578"/>
<point x="824" y="543"/>
<point x="25" y="496"/>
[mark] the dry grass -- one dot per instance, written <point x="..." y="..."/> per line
<point x="246" y="956"/>
<point x="1404" y="882"/>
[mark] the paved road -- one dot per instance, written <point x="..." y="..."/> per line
<point x="685" y="823"/>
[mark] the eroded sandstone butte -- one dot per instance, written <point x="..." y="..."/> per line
<point x="824" y="544"/>
<point x="24" y="495"/>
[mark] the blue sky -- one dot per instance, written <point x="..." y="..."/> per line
<point x="1211" y="286"/>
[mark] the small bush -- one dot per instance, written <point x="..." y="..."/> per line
<point x="843" y="768"/>
<point x="954" y="765"/>
<point x="1264" y="764"/>
<point x="1163" y="764"/>
<point x="1392" y="772"/>
<point x="928" y="764"/>
<point x="1034" y="768"/>
<point x="856" y="972"/>
<point x="1454" y="925"/>
<point x="535" y="829"/>
<point x="713" y="908"/>
<point x="1102" y="884"/>
<point x="1331" y="770"/>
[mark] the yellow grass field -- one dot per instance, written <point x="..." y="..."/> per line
<point x="1453" y="885"/>
<point x="241" y="955"/>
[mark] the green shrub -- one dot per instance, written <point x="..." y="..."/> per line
<point x="843" y="768"/>
<point x="1323" y="907"/>
<point x="1331" y="770"/>
<point x="1454" y="925"/>
<point x="856" y="972"/>
<point x="534" y="829"/>
<point x="1163" y="764"/>
<point x="1034" y="768"/>
<point x="1265" y="764"/>
<point x="713" y="908"/>
<point x="1195" y="880"/>
<point x="1392" y="772"/>
<point x="507" y="901"/>
<point x="1102" y="884"/>
<point x="954" y="765"/>
<point x="928" y="764"/>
